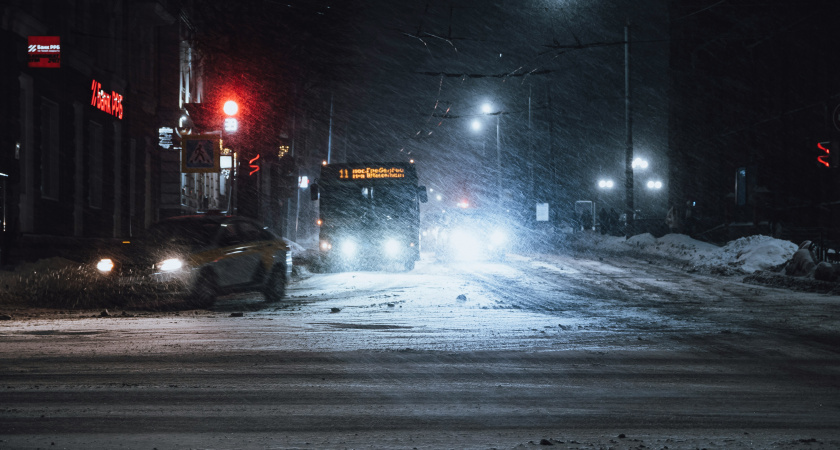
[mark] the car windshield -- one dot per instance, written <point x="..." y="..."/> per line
<point x="192" y="233"/>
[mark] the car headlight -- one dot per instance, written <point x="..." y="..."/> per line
<point x="348" y="248"/>
<point x="105" y="265"/>
<point x="392" y="247"/>
<point x="170" y="265"/>
<point x="498" y="237"/>
<point x="465" y="244"/>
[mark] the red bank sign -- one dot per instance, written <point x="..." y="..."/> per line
<point x="45" y="51"/>
<point x="110" y="103"/>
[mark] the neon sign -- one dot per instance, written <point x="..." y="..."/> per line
<point x="103" y="101"/>
<point x="251" y="164"/>
<point x="367" y="173"/>
<point x="823" y="159"/>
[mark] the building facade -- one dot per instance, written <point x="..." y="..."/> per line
<point x="753" y="90"/>
<point x="80" y="144"/>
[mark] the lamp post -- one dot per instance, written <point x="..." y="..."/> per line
<point x="487" y="109"/>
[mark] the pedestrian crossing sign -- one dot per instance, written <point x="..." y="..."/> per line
<point x="200" y="153"/>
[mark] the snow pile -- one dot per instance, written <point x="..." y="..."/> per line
<point x="754" y="253"/>
<point x="749" y="254"/>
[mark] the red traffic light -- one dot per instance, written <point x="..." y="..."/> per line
<point x="231" y="108"/>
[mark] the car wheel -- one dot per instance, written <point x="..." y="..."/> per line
<point x="275" y="286"/>
<point x="204" y="292"/>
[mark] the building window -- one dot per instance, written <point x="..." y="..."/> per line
<point x="49" y="150"/>
<point x="95" y="165"/>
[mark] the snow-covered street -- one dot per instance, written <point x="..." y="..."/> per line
<point x="573" y="349"/>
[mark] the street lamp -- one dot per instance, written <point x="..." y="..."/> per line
<point x="640" y="164"/>
<point x="487" y="108"/>
<point x="654" y="184"/>
<point x="606" y="183"/>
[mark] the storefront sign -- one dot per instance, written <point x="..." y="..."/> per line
<point x="110" y="103"/>
<point x="165" y="134"/>
<point x="45" y="51"/>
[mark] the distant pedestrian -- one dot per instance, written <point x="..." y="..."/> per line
<point x="586" y="219"/>
<point x="673" y="220"/>
<point x="612" y="221"/>
<point x="603" y="220"/>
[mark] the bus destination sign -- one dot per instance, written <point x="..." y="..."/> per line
<point x="370" y="173"/>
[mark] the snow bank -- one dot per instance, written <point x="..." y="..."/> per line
<point x="749" y="254"/>
<point x="753" y="253"/>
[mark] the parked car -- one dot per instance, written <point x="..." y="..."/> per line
<point x="200" y="257"/>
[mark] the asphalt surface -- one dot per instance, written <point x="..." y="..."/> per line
<point x="569" y="351"/>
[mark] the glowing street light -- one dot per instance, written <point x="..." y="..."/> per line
<point x="487" y="108"/>
<point x="606" y="183"/>
<point x="640" y="163"/>
<point x="651" y="184"/>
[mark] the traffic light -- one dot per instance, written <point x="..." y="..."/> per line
<point x="829" y="154"/>
<point x="231" y="122"/>
<point x="210" y="117"/>
<point x="203" y="117"/>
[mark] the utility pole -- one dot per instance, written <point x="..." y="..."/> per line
<point x="498" y="160"/>
<point x="530" y="158"/>
<point x="628" y="163"/>
<point x="329" y="139"/>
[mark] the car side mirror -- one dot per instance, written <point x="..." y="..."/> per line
<point x="314" y="193"/>
<point x="421" y="192"/>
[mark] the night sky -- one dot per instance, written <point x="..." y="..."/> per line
<point x="419" y="71"/>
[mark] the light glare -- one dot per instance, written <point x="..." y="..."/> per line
<point x="392" y="247"/>
<point x="170" y="265"/>
<point x="348" y="248"/>
<point x="231" y="107"/>
<point x="105" y="265"/>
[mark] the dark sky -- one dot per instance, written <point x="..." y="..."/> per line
<point x="408" y="77"/>
<point x="398" y="98"/>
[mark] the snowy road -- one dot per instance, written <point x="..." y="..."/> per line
<point x="470" y="355"/>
